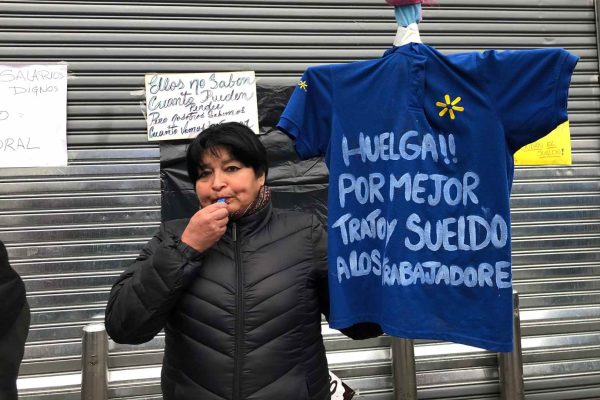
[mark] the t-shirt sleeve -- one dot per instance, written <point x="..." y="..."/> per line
<point x="529" y="90"/>
<point x="307" y="116"/>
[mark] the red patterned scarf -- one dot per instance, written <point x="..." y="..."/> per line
<point x="262" y="199"/>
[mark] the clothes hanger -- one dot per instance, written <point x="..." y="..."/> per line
<point x="408" y="15"/>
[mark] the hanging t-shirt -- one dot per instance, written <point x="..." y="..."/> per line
<point x="420" y="148"/>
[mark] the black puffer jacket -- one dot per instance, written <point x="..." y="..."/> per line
<point x="13" y="328"/>
<point x="242" y="320"/>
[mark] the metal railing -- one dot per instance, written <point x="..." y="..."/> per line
<point x="94" y="381"/>
<point x="510" y="365"/>
<point x="94" y="363"/>
<point x="404" y="371"/>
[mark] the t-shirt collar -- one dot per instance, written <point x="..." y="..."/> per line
<point x="412" y="49"/>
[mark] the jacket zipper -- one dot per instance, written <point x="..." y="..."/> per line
<point x="239" y="315"/>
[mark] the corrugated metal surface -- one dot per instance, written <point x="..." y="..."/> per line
<point x="70" y="230"/>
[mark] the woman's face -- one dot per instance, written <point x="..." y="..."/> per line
<point x="222" y="176"/>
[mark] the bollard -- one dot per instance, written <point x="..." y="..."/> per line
<point x="511" y="364"/>
<point x="94" y="363"/>
<point x="403" y="363"/>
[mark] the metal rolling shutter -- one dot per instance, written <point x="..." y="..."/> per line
<point x="70" y="231"/>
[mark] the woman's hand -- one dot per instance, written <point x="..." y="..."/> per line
<point x="206" y="227"/>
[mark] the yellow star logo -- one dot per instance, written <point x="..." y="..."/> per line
<point x="449" y="106"/>
<point x="303" y="85"/>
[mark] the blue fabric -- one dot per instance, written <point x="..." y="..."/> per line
<point x="420" y="153"/>
<point x="406" y="15"/>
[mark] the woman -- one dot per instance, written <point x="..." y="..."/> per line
<point x="238" y="288"/>
<point x="14" y="326"/>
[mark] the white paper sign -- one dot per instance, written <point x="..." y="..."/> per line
<point x="180" y="106"/>
<point x="33" y="115"/>
<point x="339" y="390"/>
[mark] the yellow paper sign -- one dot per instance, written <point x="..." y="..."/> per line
<point x="552" y="149"/>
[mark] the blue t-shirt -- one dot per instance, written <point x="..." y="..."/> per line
<point x="420" y="149"/>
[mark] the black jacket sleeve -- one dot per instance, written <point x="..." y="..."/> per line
<point x="12" y="293"/>
<point x="319" y="245"/>
<point x="143" y="297"/>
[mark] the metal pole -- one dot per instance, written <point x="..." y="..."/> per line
<point x="403" y="362"/>
<point x="511" y="364"/>
<point x="94" y="374"/>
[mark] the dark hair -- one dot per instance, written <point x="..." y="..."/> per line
<point x="238" y="139"/>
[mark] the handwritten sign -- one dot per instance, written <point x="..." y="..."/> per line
<point x="338" y="389"/>
<point x="183" y="105"/>
<point x="552" y="149"/>
<point x="33" y="115"/>
<point x="461" y="231"/>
